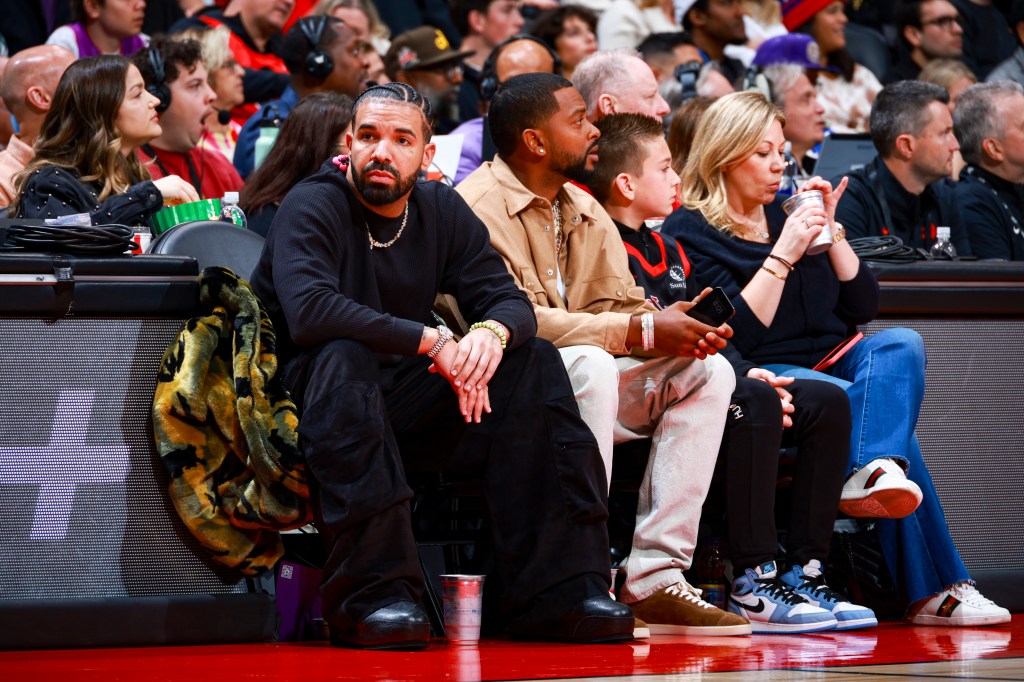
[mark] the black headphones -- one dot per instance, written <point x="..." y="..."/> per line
<point x="158" y="88"/>
<point x="489" y="74"/>
<point x="318" y="63"/>
<point x="688" y="74"/>
<point x="754" y="80"/>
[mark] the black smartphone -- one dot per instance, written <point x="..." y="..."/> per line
<point x="713" y="309"/>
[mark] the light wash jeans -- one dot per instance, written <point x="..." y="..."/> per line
<point x="681" y="405"/>
<point x="883" y="376"/>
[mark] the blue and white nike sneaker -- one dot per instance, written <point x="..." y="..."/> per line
<point x="771" y="605"/>
<point x="808" y="582"/>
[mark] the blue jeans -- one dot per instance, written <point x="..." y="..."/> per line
<point x="883" y="376"/>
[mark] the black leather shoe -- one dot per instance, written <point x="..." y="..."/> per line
<point x="401" y="625"/>
<point x="597" y="619"/>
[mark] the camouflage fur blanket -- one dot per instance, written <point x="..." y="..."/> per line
<point x="226" y="429"/>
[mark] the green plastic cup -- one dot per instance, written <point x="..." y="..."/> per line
<point x="168" y="217"/>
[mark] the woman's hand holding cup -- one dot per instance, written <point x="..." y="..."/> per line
<point x="802" y="227"/>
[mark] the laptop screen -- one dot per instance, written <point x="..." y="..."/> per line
<point x="844" y="152"/>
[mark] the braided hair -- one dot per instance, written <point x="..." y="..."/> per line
<point x="397" y="92"/>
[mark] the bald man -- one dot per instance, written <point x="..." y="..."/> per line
<point x="29" y="82"/>
<point x="6" y="129"/>
<point x="516" y="56"/>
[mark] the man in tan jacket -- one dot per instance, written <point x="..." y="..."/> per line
<point x="565" y="253"/>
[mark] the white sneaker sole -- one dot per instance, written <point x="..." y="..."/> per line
<point x="705" y="630"/>
<point x="641" y="633"/>
<point x="885" y="503"/>
<point x="856" y="624"/>
<point x="961" y="621"/>
<point x="762" y="628"/>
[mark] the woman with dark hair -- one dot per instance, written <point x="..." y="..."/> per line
<point x="85" y="158"/>
<point x="569" y="30"/>
<point x="846" y="89"/>
<point x="312" y="133"/>
<point x="102" y="27"/>
<point x="683" y="127"/>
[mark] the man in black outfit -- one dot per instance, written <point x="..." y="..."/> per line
<point x="906" y="191"/>
<point x="989" y="122"/>
<point x="354" y="259"/>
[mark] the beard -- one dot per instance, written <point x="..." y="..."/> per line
<point x="573" y="167"/>
<point x="381" y="195"/>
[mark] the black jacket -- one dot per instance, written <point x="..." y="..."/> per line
<point x="875" y="203"/>
<point x="816" y="311"/>
<point x="52" y="191"/>
<point x="992" y="211"/>
<point x="319" y="279"/>
<point x="658" y="264"/>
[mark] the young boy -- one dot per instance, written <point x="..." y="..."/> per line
<point x="634" y="181"/>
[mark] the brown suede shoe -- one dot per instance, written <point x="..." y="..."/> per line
<point x="679" y="610"/>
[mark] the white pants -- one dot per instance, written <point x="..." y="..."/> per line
<point x="679" y="403"/>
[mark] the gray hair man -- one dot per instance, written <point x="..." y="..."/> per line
<point x="618" y="82"/>
<point x="793" y="91"/>
<point x="989" y="123"/>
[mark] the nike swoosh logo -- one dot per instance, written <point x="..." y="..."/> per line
<point x="758" y="608"/>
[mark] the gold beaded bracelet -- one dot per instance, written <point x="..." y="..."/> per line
<point x="494" y="329"/>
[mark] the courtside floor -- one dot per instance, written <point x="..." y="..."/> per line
<point x="889" y="652"/>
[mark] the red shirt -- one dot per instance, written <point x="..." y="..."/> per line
<point x="208" y="171"/>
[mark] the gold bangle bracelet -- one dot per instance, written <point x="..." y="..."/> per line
<point x="773" y="273"/>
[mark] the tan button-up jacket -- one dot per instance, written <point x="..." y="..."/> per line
<point x="600" y="292"/>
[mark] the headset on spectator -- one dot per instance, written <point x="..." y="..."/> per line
<point x="318" y="63"/>
<point x="754" y="80"/>
<point x="158" y="88"/>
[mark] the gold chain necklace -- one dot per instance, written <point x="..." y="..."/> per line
<point x="374" y="244"/>
<point x="557" y="214"/>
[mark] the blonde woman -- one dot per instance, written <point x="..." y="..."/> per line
<point x="792" y="309"/>
<point x="85" y="154"/>
<point x="225" y="78"/>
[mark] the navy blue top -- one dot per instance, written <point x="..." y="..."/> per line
<point x="816" y="310"/>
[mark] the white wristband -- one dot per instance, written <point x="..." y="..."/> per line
<point x="647" y="330"/>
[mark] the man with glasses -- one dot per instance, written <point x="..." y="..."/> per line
<point x="424" y="59"/>
<point x="928" y="30"/>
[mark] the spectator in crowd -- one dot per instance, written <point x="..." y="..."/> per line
<point x="989" y="123"/>
<point x="793" y="93"/>
<point x="846" y="89"/>
<point x="337" y="65"/>
<point x="617" y="82"/>
<point x="313" y="132"/>
<point x="667" y="52"/>
<point x="348" y="288"/>
<point x="362" y="18"/>
<point x="952" y="75"/>
<point x="174" y="71"/>
<point x="684" y="124"/>
<point x="1012" y="68"/>
<point x="792" y="308"/>
<point x="400" y="17"/>
<point x="625" y="23"/>
<point x="518" y="55"/>
<point x="928" y="29"/>
<point x="762" y="20"/>
<point x="256" y="43"/>
<point x="103" y="27"/>
<point x="988" y="38"/>
<point x="905" y="191"/>
<point x="571" y="31"/>
<point x="28" y="23"/>
<point x="633" y="180"/>
<point x="483" y="25"/>
<point x="6" y="117"/>
<point x="29" y="83"/>
<point x="715" y="25"/>
<point x="225" y="78"/>
<point x="564" y="251"/>
<point x="85" y="153"/>
<point x="424" y="59"/>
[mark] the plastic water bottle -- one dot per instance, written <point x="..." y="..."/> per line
<point x="942" y="249"/>
<point x="230" y="211"/>
<point x="787" y="186"/>
<point x="269" y="127"/>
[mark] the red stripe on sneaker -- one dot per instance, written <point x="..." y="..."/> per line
<point x="873" y="478"/>
<point x="947" y="606"/>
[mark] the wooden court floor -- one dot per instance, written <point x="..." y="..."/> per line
<point x="890" y="652"/>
